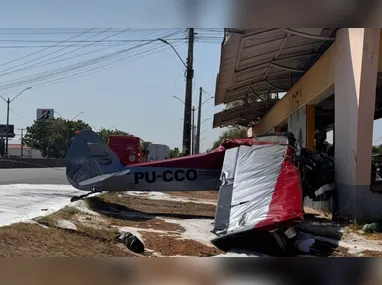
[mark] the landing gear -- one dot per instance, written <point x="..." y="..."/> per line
<point x="77" y="198"/>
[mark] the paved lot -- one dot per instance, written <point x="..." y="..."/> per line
<point x="55" y="176"/>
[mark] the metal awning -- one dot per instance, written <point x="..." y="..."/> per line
<point x="245" y="114"/>
<point x="264" y="61"/>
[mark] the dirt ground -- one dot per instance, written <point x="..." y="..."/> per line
<point x="96" y="229"/>
<point x="95" y="223"/>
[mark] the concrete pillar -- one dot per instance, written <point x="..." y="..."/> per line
<point x="250" y="132"/>
<point x="297" y="126"/>
<point x="355" y="74"/>
<point x="310" y="126"/>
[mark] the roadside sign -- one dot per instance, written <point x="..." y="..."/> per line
<point x="3" y="131"/>
<point x="45" y="114"/>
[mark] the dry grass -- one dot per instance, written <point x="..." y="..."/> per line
<point x="163" y="208"/>
<point x="205" y="195"/>
<point x="370" y="253"/>
<point x="173" y="245"/>
<point x="95" y="234"/>
<point x="33" y="240"/>
<point x="357" y="229"/>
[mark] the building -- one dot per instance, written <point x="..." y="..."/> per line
<point x="331" y="80"/>
<point x="15" y="150"/>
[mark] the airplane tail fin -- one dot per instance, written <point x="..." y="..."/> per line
<point x="89" y="160"/>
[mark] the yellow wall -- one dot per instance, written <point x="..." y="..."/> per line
<point x="316" y="84"/>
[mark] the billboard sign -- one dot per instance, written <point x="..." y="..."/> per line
<point x="45" y="114"/>
<point x="11" y="131"/>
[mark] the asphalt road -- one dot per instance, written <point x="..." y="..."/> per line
<point x="55" y="176"/>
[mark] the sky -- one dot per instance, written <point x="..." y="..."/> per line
<point x="135" y="95"/>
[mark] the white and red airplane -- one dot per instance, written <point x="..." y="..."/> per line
<point x="259" y="185"/>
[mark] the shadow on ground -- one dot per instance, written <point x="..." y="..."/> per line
<point x="123" y="212"/>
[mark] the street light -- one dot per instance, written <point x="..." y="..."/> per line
<point x="167" y="43"/>
<point x="77" y="115"/>
<point x="176" y="97"/>
<point x="9" y="102"/>
<point x="205" y="120"/>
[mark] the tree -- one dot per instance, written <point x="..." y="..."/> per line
<point x="52" y="137"/>
<point x="377" y="149"/>
<point x="175" y="152"/>
<point x="105" y="133"/>
<point x="234" y="132"/>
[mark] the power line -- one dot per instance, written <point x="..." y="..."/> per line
<point x="2" y="73"/>
<point x="116" y="56"/>
<point x="33" y="53"/>
<point x="21" y="116"/>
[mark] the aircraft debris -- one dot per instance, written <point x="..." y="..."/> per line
<point x="316" y="169"/>
<point x="372" y="228"/>
<point x="131" y="242"/>
<point x="261" y="182"/>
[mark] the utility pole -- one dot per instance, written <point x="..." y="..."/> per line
<point x="22" y="142"/>
<point x="197" y="146"/>
<point x="188" y="95"/>
<point x="7" y="131"/>
<point x="193" y="131"/>
<point x="7" y="134"/>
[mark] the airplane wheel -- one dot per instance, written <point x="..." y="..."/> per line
<point x="74" y="199"/>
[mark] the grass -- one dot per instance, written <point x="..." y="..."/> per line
<point x="33" y="240"/>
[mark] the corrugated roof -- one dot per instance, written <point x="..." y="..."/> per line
<point x="247" y="113"/>
<point x="263" y="61"/>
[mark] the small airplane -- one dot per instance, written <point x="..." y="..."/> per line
<point x="259" y="185"/>
<point x="92" y="166"/>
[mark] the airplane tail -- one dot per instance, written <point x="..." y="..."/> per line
<point x="89" y="161"/>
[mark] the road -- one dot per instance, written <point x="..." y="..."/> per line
<point x="31" y="192"/>
<point x="54" y="176"/>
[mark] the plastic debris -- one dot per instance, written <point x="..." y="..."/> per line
<point x="131" y="242"/>
<point x="372" y="228"/>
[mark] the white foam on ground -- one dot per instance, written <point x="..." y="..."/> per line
<point x="66" y="225"/>
<point x="82" y="207"/>
<point x="195" y="229"/>
<point x="22" y="202"/>
<point x="354" y="243"/>
<point x="166" y="197"/>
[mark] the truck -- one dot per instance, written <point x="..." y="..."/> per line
<point x="158" y="152"/>
<point x="129" y="149"/>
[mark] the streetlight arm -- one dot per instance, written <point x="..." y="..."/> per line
<point x="179" y="99"/>
<point x="167" y="43"/>
<point x="20" y="93"/>
<point x="77" y="115"/>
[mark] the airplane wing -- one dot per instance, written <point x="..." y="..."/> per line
<point x="93" y="165"/>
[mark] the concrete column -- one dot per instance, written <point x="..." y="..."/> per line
<point x="355" y="74"/>
<point x="297" y="126"/>
<point x="310" y="126"/>
<point x="250" y="132"/>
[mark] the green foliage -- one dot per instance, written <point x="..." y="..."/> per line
<point x="377" y="149"/>
<point x="52" y="137"/>
<point x="230" y="133"/>
<point x="175" y="152"/>
<point x="105" y="133"/>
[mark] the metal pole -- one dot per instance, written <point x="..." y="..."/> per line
<point x="193" y="131"/>
<point x="6" y="135"/>
<point x="188" y="95"/>
<point x="197" y="146"/>
<point x="22" y="142"/>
